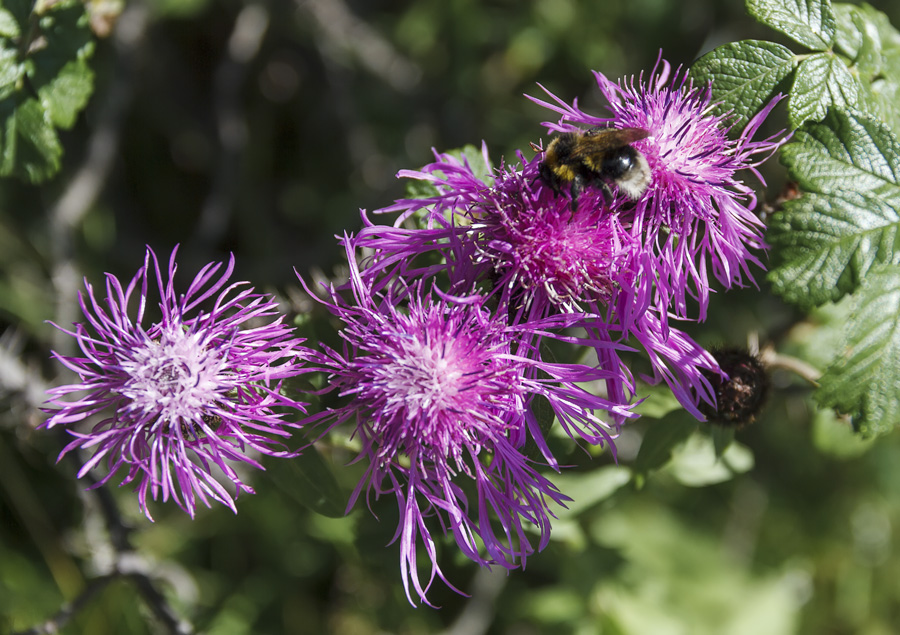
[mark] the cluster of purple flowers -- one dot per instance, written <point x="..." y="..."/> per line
<point x="446" y="320"/>
<point x="519" y="259"/>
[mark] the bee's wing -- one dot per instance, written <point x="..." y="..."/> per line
<point x="610" y="138"/>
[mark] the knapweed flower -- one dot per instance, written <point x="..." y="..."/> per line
<point x="440" y="389"/>
<point x="509" y="231"/>
<point x="185" y="398"/>
<point x="696" y="213"/>
<point x="540" y="257"/>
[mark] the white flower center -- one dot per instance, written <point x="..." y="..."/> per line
<point x="427" y="378"/>
<point x="174" y="378"/>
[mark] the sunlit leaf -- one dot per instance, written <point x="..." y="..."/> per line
<point x="809" y="22"/>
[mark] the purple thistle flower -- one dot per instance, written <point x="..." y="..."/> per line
<point x="527" y="246"/>
<point x="439" y="390"/>
<point x="696" y="211"/>
<point x="537" y="252"/>
<point x="194" y="391"/>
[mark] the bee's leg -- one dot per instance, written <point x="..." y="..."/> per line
<point x="578" y="185"/>
<point x="607" y="192"/>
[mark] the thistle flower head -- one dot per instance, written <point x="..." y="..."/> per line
<point x="696" y="212"/>
<point x="539" y="254"/>
<point x="184" y="398"/>
<point x="439" y="388"/>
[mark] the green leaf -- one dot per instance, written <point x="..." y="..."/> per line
<point x="480" y="164"/>
<point x="885" y="87"/>
<point x="827" y="240"/>
<point x="657" y="401"/>
<point x="545" y="416"/>
<point x="821" y="81"/>
<point x="865" y="380"/>
<point x="829" y="243"/>
<point x="661" y="438"/>
<point x="808" y="22"/>
<point x="45" y="82"/>
<point x="835" y="437"/>
<point x="29" y="147"/>
<point x="695" y="463"/>
<point x="883" y="96"/>
<point x="872" y="45"/>
<point x="11" y="72"/>
<point x="745" y="75"/>
<point x="61" y="75"/>
<point x="308" y="479"/>
<point x="481" y="167"/>
<point x="587" y="489"/>
<point x="8" y="25"/>
<point x="722" y="438"/>
<point x="67" y="94"/>
<point x="845" y="152"/>
<point x="858" y="38"/>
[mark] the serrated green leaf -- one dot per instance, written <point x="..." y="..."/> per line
<point x="808" y="22"/>
<point x="858" y="38"/>
<point x="309" y="480"/>
<point x="884" y="90"/>
<point x="848" y="37"/>
<point x="846" y="151"/>
<point x="420" y="189"/>
<point x="43" y="89"/>
<point x="827" y="240"/>
<point x="8" y="25"/>
<point x="480" y="165"/>
<point x="11" y="72"/>
<point x="865" y="380"/>
<point x="61" y="76"/>
<point x="829" y="243"/>
<point x="889" y="36"/>
<point x="883" y="96"/>
<point x="67" y="93"/>
<point x="822" y="81"/>
<point x="744" y="75"/>
<point x="29" y="147"/>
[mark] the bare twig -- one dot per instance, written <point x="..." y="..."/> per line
<point x="15" y="376"/>
<point x="243" y="46"/>
<point x="347" y="33"/>
<point x="791" y="364"/>
<point x="478" y="614"/>
<point x="160" y="606"/>
<point x="62" y="617"/>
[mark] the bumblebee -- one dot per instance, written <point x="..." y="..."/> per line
<point x="601" y="157"/>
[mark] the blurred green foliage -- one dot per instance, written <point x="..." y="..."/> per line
<point x="269" y="155"/>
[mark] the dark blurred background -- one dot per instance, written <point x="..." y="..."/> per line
<point x="261" y="129"/>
